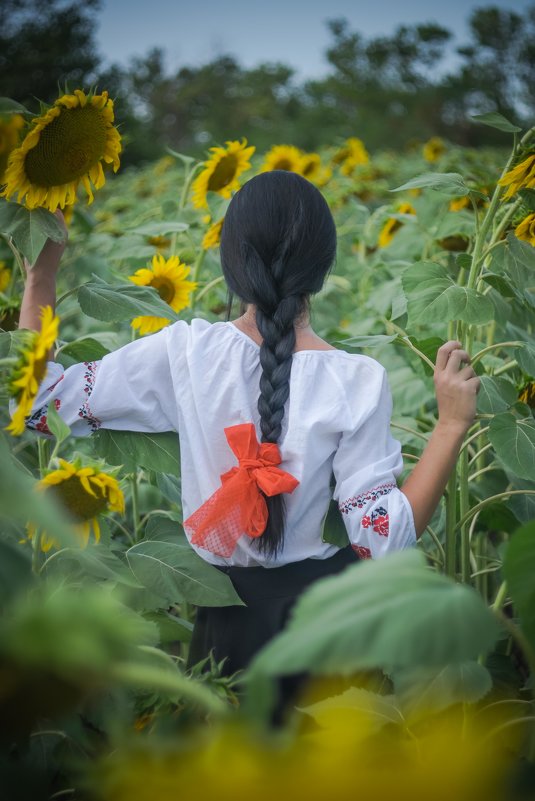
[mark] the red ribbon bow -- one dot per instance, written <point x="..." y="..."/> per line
<point x="238" y="507"/>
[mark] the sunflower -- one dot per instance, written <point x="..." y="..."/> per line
<point x="67" y="144"/>
<point x="524" y="230"/>
<point x="527" y="394"/>
<point x="520" y="177"/>
<point x="313" y="170"/>
<point x="85" y="493"/>
<point x="221" y="172"/>
<point x="5" y="276"/>
<point x="392" y="225"/>
<point x="30" y="368"/>
<point x="10" y="129"/>
<point x="433" y="149"/>
<point x="459" y="203"/>
<point x="352" y="154"/>
<point x="212" y="237"/>
<point x="283" y="157"/>
<point x="168" y="277"/>
<point x="159" y="242"/>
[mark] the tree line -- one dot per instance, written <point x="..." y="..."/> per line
<point x="388" y="90"/>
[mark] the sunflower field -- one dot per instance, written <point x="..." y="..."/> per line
<point x="422" y="664"/>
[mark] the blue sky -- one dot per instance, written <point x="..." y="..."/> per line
<point x="194" y="31"/>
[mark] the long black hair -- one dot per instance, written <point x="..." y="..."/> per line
<point x="278" y="243"/>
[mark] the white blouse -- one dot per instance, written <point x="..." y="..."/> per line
<point x="198" y="378"/>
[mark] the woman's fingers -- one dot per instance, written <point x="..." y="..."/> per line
<point x="447" y="352"/>
<point x="456" y="357"/>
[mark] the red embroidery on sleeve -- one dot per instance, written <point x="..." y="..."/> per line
<point x="358" y="501"/>
<point x="361" y="551"/>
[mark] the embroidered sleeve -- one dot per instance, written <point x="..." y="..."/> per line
<point x="130" y="389"/>
<point x="377" y="514"/>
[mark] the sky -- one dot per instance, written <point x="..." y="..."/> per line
<point x="192" y="32"/>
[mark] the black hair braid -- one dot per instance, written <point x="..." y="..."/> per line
<point x="278" y="243"/>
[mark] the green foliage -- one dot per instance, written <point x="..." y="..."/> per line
<point x="392" y="613"/>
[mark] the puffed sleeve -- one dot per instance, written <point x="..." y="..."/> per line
<point x="130" y="389"/>
<point x="377" y="514"/>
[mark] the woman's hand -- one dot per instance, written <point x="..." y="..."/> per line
<point x="47" y="262"/>
<point x="456" y="389"/>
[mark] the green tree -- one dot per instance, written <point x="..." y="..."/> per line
<point x="44" y="43"/>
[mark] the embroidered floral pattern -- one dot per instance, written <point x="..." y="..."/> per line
<point x="378" y="520"/>
<point x="362" y="552"/>
<point x="38" y="420"/>
<point x="358" y="501"/>
<point x="84" y="411"/>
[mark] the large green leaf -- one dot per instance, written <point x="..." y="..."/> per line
<point x="447" y="183"/>
<point x="513" y="440"/>
<point x="29" y="229"/>
<point x="422" y="691"/>
<point x="117" y="302"/>
<point x="354" y="705"/>
<point x="372" y="341"/>
<point x="93" y="562"/>
<point x="495" y="395"/>
<point x="496" y="120"/>
<point x="160" y="228"/>
<point x="391" y="612"/>
<point x="176" y="573"/>
<point x="432" y="295"/>
<point x="135" y="449"/>
<point x="15" y="570"/>
<point x="519" y="571"/>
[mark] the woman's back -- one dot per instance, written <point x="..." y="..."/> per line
<point x="216" y="372"/>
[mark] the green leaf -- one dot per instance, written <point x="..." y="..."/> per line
<point x="160" y="228"/>
<point x="58" y="427"/>
<point x="389" y="613"/>
<point x="514" y="443"/>
<point x="495" y="395"/>
<point x="334" y="530"/>
<point x="423" y="691"/>
<point x="9" y="106"/>
<point x="432" y="295"/>
<point x="496" y="120"/>
<point x="500" y="284"/>
<point x="371" y="341"/>
<point x="528" y="199"/>
<point x="447" y="183"/>
<point x="134" y="449"/>
<point x="29" y="229"/>
<point x="92" y="562"/>
<point x="177" y="573"/>
<point x="354" y="705"/>
<point x="15" y="570"/>
<point x="85" y="349"/>
<point x="525" y="357"/>
<point x="164" y="529"/>
<point x="117" y="302"/>
<point x="519" y="570"/>
<point x="172" y="628"/>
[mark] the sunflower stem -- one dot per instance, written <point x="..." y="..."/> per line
<point x="187" y="183"/>
<point x="16" y="253"/>
<point x="135" y="504"/>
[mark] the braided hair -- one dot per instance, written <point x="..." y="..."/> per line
<point x="278" y="243"/>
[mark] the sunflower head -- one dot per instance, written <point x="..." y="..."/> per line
<point x="30" y="368"/>
<point x="10" y="132"/>
<point x="212" y="237"/>
<point x="433" y="149"/>
<point x="526" y="229"/>
<point x="84" y="492"/>
<point x="522" y="176"/>
<point x="169" y="278"/>
<point x="392" y="225"/>
<point x="221" y="172"/>
<point x="283" y="157"/>
<point x="66" y="145"/>
<point x="352" y="154"/>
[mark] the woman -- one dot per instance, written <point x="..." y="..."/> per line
<point x="248" y="395"/>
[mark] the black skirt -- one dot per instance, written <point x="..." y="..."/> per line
<point x="237" y="633"/>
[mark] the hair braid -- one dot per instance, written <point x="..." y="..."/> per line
<point x="278" y="242"/>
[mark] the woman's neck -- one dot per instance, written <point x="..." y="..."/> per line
<point x="305" y="338"/>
